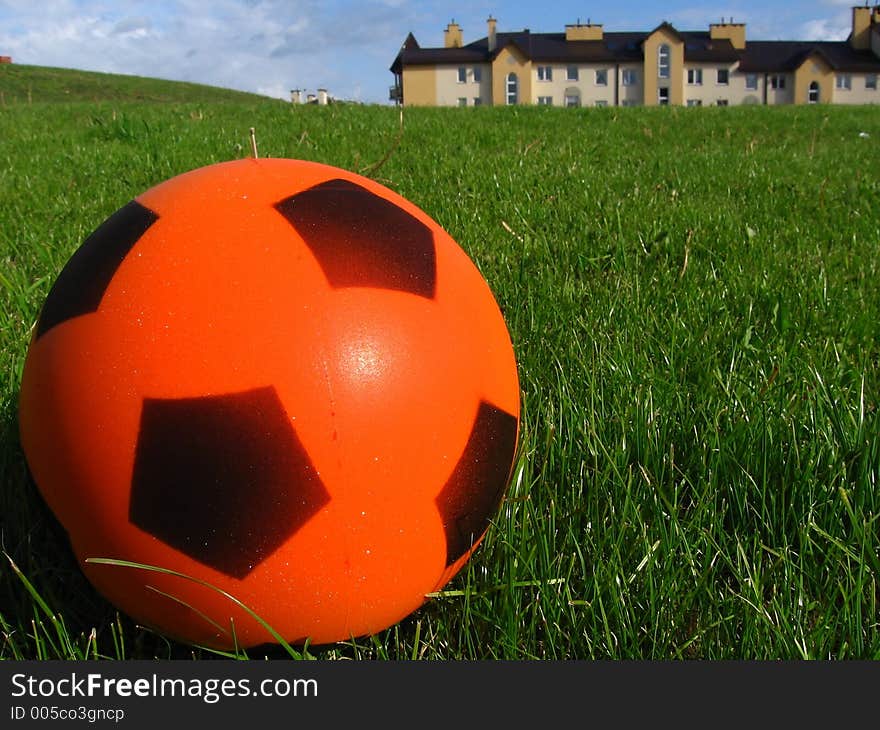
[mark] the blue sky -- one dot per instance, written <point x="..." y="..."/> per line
<point x="272" y="46"/>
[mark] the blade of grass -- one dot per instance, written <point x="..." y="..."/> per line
<point x="167" y="571"/>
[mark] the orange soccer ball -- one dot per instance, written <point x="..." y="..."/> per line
<point x="283" y="381"/>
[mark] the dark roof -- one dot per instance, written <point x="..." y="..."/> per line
<point x="625" y="47"/>
<point x="409" y="44"/>
<point x="700" y="47"/>
<point x="554" y="47"/>
<point x="789" y="55"/>
<point x="614" y="47"/>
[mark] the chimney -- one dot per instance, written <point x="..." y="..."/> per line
<point x="584" y="32"/>
<point x="322" y="97"/>
<point x="452" y="35"/>
<point x="728" y="30"/>
<point x="492" y="34"/>
<point x="295" y="96"/>
<point x="860" y="38"/>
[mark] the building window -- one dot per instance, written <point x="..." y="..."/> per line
<point x="545" y="100"/>
<point x="462" y="74"/>
<point x="545" y="73"/>
<point x="663" y="95"/>
<point x="478" y="74"/>
<point x="871" y="82"/>
<point x="571" y="73"/>
<point x="723" y="76"/>
<point x="813" y="93"/>
<point x="462" y="101"/>
<point x="844" y="81"/>
<point x="572" y="100"/>
<point x="751" y="82"/>
<point x="477" y="101"/>
<point x="695" y="102"/>
<point x="695" y="76"/>
<point x="777" y="81"/>
<point x="601" y="102"/>
<point x="663" y="61"/>
<point x="601" y="77"/>
<point x="629" y="102"/>
<point x="512" y="88"/>
<point x="630" y="77"/>
<point x="722" y="102"/>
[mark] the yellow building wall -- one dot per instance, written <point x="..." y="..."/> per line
<point x="858" y="93"/>
<point x="508" y="61"/>
<point x="585" y="86"/>
<point x="675" y="82"/>
<point x="420" y="86"/>
<point x="813" y="69"/>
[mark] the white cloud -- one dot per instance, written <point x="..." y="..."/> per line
<point x="265" y="46"/>
<point x="139" y="27"/>
<point x="836" y="26"/>
<point x="825" y="29"/>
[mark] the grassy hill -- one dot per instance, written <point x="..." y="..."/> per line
<point x="692" y="297"/>
<point x="43" y="84"/>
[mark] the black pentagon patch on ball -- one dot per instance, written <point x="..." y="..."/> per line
<point x="84" y="279"/>
<point x="223" y="479"/>
<point x="363" y="240"/>
<point x="470" y="497"/>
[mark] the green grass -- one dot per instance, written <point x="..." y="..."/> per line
<point x="692" y="295"/>
<point x="44" y="84"/>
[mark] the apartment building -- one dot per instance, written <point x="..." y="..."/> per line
<point x="587" y="66"/>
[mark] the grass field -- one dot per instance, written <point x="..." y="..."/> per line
<point x="20" y="84"/>
<point x="693" y="299"/>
